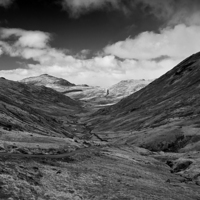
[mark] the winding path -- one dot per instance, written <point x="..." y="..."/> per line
<point x="82" y="150"/>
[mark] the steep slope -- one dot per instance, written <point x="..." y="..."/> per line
<point x="36" y="109"/>
<point x="164" y="115"/>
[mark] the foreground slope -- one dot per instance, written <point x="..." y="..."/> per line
<point x="166" y="110"/>
<point x="108" y="173"/>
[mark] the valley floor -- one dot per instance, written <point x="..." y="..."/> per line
<point x="99" y="173"/>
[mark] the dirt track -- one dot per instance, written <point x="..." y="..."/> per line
<point x="82" y="150"/>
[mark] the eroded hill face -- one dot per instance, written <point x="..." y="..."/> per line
<point x="36" y="109"/>
<point x="162" y="116"/>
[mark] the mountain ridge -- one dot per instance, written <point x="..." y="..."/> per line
<point x="93" y="97"/>
<point x="170" y="102"/>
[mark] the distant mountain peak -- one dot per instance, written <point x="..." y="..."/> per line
<point x="129" y="86"/>
<point x="47" y="80"/>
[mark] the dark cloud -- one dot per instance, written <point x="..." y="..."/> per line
<point x="174" y="12"/>
<point x="5" y="3"/>
<point x="79" y="7"/>
<point x="171" y="12"/>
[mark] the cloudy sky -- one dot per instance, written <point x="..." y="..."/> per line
<point x="96" y="42"/>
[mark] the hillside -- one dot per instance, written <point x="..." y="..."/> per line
<point x="36" y="111"/>
<point x="162" y="116"/>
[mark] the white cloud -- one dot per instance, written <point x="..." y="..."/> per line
<point x="34" y="39"/>
<point x="175" y="42"/>
<point x="179" y="42"/>
<point x="103" y="70"/>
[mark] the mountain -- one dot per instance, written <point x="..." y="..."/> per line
<point x="93" y="97"/>
<point x="88" y="93"/>
<point x="77" y="92"/>
<point x="115" y="92"/>
<point x="48" y="81"/>
<point x="162" y="116"/>
<point x="36" y="109"/>
<point x="97" y="97"/>
<point x="126" y="87"/>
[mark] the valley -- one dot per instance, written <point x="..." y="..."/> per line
<point x="139" y="139"/>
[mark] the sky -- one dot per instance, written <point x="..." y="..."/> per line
<point x="96" y="42"/>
